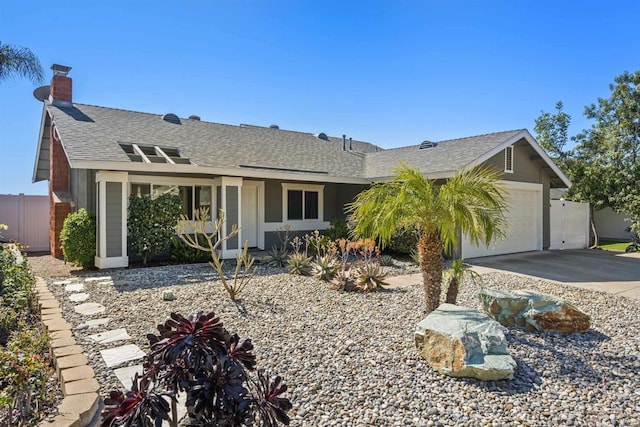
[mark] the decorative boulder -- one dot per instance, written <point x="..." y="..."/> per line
<point x="533" y="312"/>
<point x="461" y="342"/>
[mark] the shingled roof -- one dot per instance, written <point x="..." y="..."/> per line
<point x="92" y="135"/>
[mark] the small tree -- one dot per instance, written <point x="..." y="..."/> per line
<point x="152" y="223"/>
<point x="456" y="276"/>
<point x="78" y="238"/>
<point x="193" y="233"/>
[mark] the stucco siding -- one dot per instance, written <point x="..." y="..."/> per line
<point x="114" y="219"/>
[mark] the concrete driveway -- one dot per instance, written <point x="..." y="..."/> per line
<point x="613" y="272"/>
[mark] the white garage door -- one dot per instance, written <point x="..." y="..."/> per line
<point x="524" y="225"/>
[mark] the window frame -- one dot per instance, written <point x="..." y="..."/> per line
<point x="304" y="223"/>
<point x="508" y="152"/>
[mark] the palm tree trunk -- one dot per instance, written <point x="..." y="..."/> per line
<point x="452" y="291"/>
<point x="430" y="251"/>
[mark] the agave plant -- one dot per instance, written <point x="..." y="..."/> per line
<point x="343" y="280"/>
<point x="324" y="267"/>
<point x="300" y="264"/>
<point x="370" y="276"/>
<point x="198" y="356"/>
<point x="386" y="261"/>
<point x="277" y="257"/>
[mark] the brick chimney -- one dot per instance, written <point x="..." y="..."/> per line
<point x="60" y="86"/>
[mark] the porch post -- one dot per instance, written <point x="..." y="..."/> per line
<point x="111" y="230"/>
<point x="229" y="199"/>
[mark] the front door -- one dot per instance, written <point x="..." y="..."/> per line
<point x="249" y="224"/>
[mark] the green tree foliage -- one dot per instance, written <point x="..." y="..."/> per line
<point x="471" y="201"/>
<point x="552" y="132"/>
<point x="152" y="223"/>
<point x="78" y="238"/>
<point x="16" y="61"/>
<point x="609" y="152"/>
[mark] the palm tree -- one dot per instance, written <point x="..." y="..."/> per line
<point x="471" y="202"/>
<point x="455" y="276"/>
<point x="16" y="61"/>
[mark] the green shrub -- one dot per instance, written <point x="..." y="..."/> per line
<point x="29" y="341"/>
<point x="151" y="223"/>
<point x="184" y="253"/>
<point x="17" y="285"/>
<point x="338" y="230"/>
<point x="8" y="323"/>
<point x="78" y="238"/>
<point x="404" y="240"/>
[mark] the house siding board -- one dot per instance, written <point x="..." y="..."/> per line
<point x="114" y="219"/>
<point x="272" y="201"/>
<point x="232" y="215"/>
<point x="83" y="189"/>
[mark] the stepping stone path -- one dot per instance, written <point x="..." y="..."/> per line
<point x="93" y="323"/>
<point x="74" y="287"/>
<point x="89" y="308"/>
<point x="79" y="297"/>
<point x="110" y="336"/>
<point x="119" y="355"/>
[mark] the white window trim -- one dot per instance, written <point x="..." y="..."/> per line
<point x="506" y="158"/>
<point x="303" y="224"/>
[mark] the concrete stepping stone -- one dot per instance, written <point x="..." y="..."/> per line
<point x="93" y="323"/>
<point x="97" y="279"/>
<point x="62" y="282"/>
<point x="110" y="336"/>
<point x="74" y="287"/>
<point x="89" y="308"/>
<point x="79" y="297"/>
<point x="125" y="375"/>
<point x="119" y="355"/>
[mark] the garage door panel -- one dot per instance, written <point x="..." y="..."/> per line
<point x="523" y="231"/>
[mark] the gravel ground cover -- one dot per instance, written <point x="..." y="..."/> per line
<point x="349" y="358"/>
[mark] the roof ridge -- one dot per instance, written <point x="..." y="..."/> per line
<point x="455" y="139"/>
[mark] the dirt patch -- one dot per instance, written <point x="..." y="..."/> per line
<point x="46" y="266"/>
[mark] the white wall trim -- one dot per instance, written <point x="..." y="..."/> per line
<point x="260" y="186"/>
<point x="168" y="180"/>
<point x="299" y="223"/>
<point x="112" y="262"/>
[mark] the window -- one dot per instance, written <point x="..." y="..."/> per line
<point x="508" y="159"/>
<point x="192" y="197"/>
<point x="302" y="202"/>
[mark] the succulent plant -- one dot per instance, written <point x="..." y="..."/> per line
<point x="300" y="264"/>
<point x="343" y="281"/>
<point x="386" y="260"/>
<point x="277" y="257"/>
<point x="324" y="267"/>
<point x="197" y="355"/>
<point x="370" y="276"/>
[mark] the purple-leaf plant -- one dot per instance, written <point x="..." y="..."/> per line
<point x="197" y="356"/>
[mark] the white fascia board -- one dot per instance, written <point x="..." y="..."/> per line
<point x="430" y="175"/>
<point x="524" y="134"/>
<point x="40" y="135"/>
<point x="193" y="169"/>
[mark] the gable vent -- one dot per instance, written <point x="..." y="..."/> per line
<point x="194" y="117"/>
<point x="508" y="159"/>
<point x="428" y="144"/>
<point x="171" y="118"/>
<point x="322" y="136"/>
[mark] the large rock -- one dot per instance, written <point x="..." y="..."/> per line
<point x="533" y="312"/>
<point x="461" y="342"/>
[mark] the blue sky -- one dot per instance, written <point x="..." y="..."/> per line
<point x="394" y="73"/>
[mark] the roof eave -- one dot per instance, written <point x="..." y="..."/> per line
<point x="36" y="167"/>
<point x="217" y="171"/>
